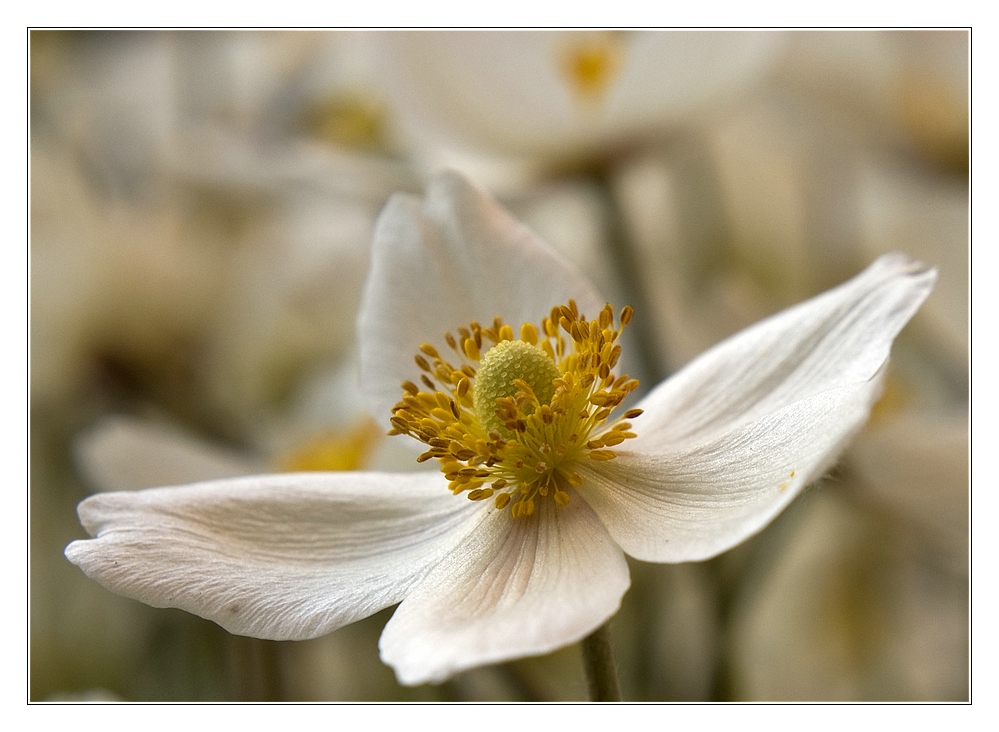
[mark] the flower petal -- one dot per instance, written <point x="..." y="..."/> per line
<point x="287" y="556"/>
<point x="843" y="336"/>
<point x="725" y="444"/>
<point x="457" y="256"/>
<point x="693" y="502"/>
<point x="125" y="453"/>
<point x="515" y="587"/>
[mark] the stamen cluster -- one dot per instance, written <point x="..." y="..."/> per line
<point x="522" y="447"/>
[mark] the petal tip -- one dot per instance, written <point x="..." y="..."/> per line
<point x="450" y="180"/>
<point x="72" y="551"/>
<point x="899" y="263"/>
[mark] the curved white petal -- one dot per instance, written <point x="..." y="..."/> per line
<point x="693" y="502"/>
<point x="843" y="336"/>
<point x="514" y="587"/>
<point x="126" y="453"/>
<point x="725" y="444"/>
<point x="284" y="557"/>
<point x="437" y="265"/>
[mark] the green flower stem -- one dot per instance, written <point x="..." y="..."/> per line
<point x="255" y="669"/>
<point x="601" y="671"/>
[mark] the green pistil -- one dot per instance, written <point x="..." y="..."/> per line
<point x="501" y="365"/>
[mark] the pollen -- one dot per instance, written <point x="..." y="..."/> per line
<point x="512" y="420"/>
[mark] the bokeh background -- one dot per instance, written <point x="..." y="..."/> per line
<point x="201" y="211"/>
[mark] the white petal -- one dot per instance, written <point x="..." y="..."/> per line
<point x="288" y="556"/>
<point x="126" y="453"/>
<point x="436" y="266"/>
<point x="695" y="501"/>
<point x="515" y="587"/>
<point x="840" y="337"/>
<point x="725" y="444"/>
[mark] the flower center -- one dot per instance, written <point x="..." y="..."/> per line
<point x="591" y="63"/>
<point x="512" y="421"/>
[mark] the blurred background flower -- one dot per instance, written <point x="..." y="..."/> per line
<point x="201" y="210"/>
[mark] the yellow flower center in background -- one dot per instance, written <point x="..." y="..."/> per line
<point x="515" y="426"/>
<point x="353" y="120"/>
<point x="333" y="450"/>
<point x="590" y="64"/>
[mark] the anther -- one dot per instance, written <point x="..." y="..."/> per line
<point x="602" y="455"/>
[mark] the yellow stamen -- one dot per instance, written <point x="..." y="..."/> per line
<point x="515" y="427"/>
<point x="471" y="349"/>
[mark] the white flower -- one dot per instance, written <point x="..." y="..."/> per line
<point x="537" y="561"/>
<point x="565" y="92"/>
